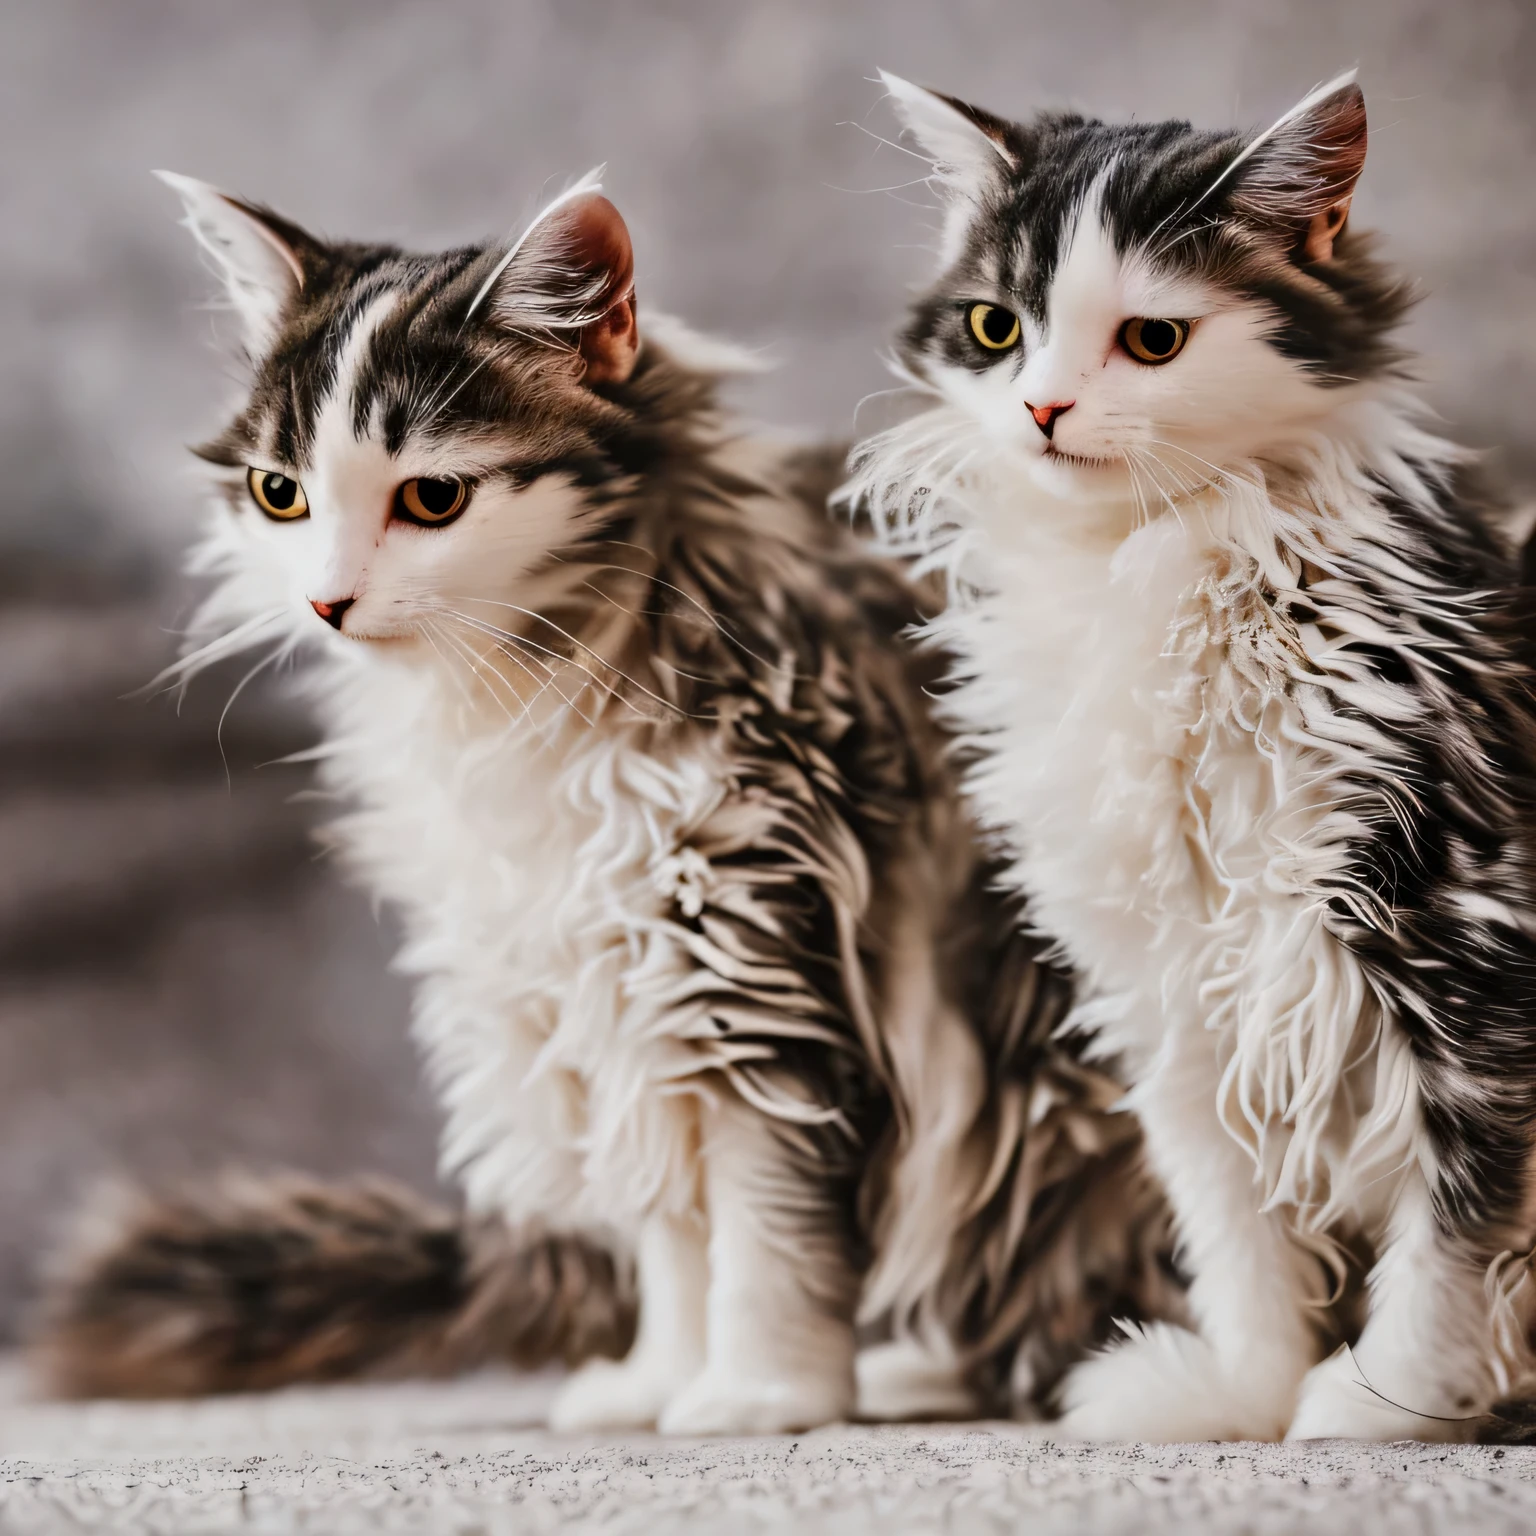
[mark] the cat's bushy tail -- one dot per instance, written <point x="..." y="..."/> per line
<point x="246" y="1283"/>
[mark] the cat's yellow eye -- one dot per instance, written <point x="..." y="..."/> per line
<point x="279" y="497"/>
<point x="1154" y="341"/>
<point x="997" y="329"/>
<point x="431" y="503"/>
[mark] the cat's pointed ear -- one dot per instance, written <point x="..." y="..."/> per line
<point x="1299" y="175"/>
<point x="594" y="239"/>
<point x="573" y="270"/>
<point x="970" y="149"/>
<point x="967" y="146"/>
<point x="261" y="258"/>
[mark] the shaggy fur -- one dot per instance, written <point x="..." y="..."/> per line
<point x="248" y="1284"/>
<point x="706" y="957"/>
<point x="1255" y="729"/>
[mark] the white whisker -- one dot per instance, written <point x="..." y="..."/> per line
<point x="710" y="618"/>
<point x="239" y="688"/>
<point x="230" y="643"/>
<point x="580" y="644"/>
<point x="505" y="638"/>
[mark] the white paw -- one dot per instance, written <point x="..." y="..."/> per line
<point x="612" y="1394"/>
<point x="908" y="1379"/>
<point x="719" y="1403"/>
<point x="1165" y="1385"/>
<point x="1337" y="1404"/>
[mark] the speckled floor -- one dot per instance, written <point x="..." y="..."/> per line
<point x="468" y="1459"/>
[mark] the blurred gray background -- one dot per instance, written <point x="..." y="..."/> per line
<point x="182" y="984"/>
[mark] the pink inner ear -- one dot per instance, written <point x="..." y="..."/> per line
<point x="1337" y="144"/>
<point x="596" y="239"/>
<point x="1303" y="172"/>
<point x="1317" y="243"/>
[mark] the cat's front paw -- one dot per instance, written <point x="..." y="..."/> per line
<point x="612" y="1394"/>
<point x="723" y="1403"/>
<point x="1166" y="1385"/>
<point x="908" y="1379"/>
<point x="1339" y="1403"/>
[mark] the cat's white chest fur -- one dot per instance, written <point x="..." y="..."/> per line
<point x="532" y="864"/>
<point x="1091" y="770"/>
<point x="1169" y="828"/>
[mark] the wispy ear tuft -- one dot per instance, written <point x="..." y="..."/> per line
<point x="970" y="150"/>
<point x="573" y="269"/>
<point x="966" y="144"/>
<point x="261" y="258"/>
<point x="1299" y="175"/>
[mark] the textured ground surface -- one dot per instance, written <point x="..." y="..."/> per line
<point x="468" y="1458"/>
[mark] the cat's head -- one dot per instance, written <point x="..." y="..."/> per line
<point x="1124" y="310"/>
<point x="421" y="432"/>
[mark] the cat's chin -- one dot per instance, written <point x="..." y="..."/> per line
<point x="382" y="638"/>
<point x="1072" y="477"/>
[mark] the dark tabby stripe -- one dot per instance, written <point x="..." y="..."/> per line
<point x="248" y="1284"/>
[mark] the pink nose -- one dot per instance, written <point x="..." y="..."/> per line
<point x="332" y="612"/>
<point x="1045" y="415"/>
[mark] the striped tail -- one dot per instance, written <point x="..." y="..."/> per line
<point x="244" y="1284"/>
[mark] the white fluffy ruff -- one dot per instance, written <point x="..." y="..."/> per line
<point x="1161" y="760"/>
<point x="1165" y="763"/>
<point x="533" y="870"/>
<point x="532" y="857"/>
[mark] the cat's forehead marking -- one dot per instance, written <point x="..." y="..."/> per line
<point x="1085" y="285"/>
<point x="336" y="424"/>
<point x="1136" y="177"/>
<point x="422" y="357"/>
<point x="1101" y="279"/>
<point x="316" y="347"/>
<point x="381" y="348"/>
<point x="310" y="368"/>
<point x="1033" y="226"/>
<point x="382" y="359"/>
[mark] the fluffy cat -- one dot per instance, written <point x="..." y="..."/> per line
<point x="707" y="962"/>
<point x="1256" y="726"/>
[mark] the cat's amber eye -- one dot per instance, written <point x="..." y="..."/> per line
<point x="997" y="329"/>
<point x="1154" y="341"/>
<point x="431" y="503"/>
<point x="279" y="497"/>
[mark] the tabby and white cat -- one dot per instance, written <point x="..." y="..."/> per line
<point x="1258" y="738"/>
<point x="707" y="960"/>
